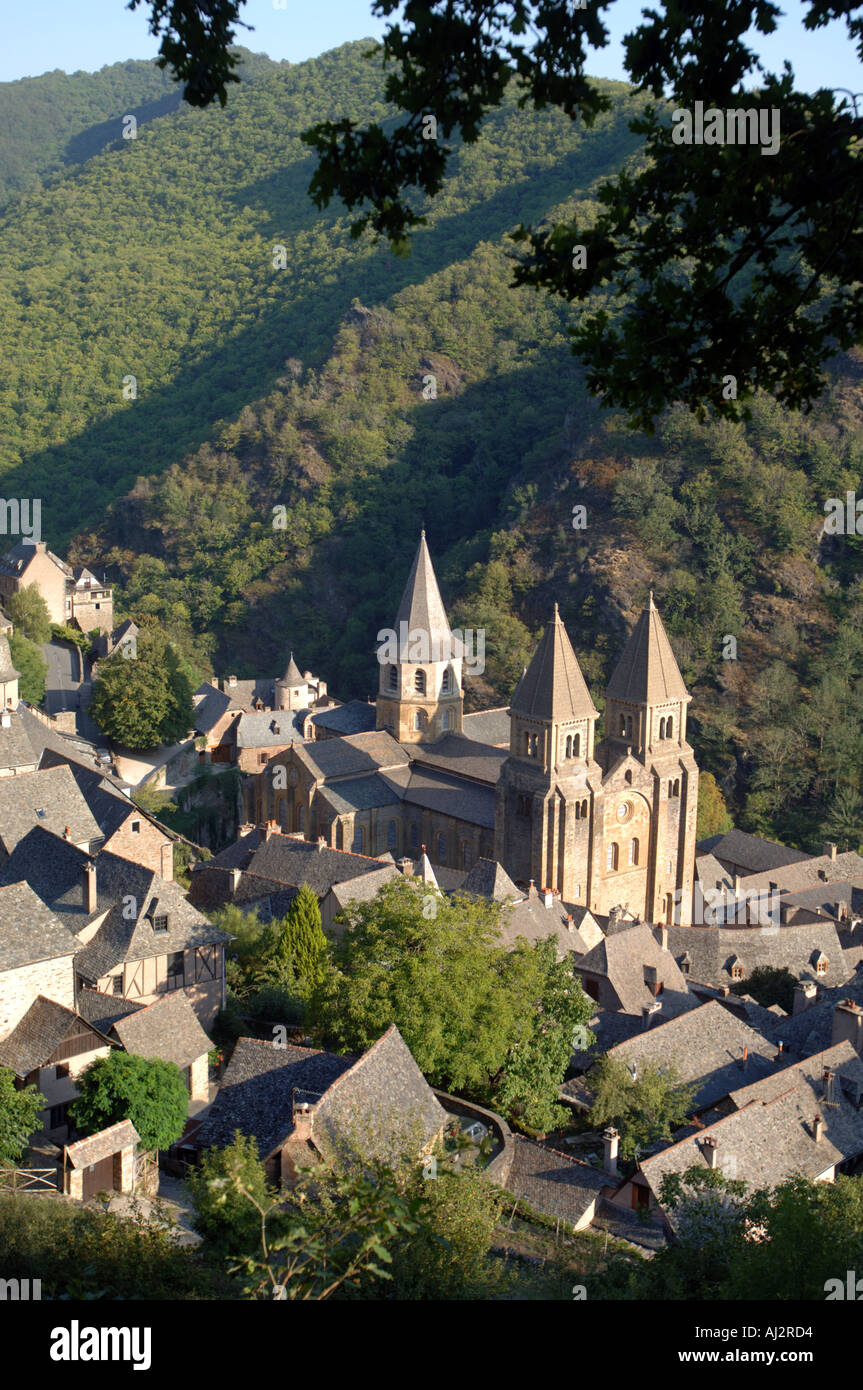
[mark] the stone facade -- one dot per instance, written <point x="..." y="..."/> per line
<point x="18" y="988"/>
<point x="146" y="845"/>
<point x="199" y="1079"/>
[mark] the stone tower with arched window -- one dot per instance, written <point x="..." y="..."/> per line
<point x="420" y="694"/>
<point x="608" y="824"/>
<point x="544" y="805"/>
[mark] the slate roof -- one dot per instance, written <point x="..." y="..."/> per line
<point x="622" y="958"/>
<point x="488" y="726"/>
<point x="283" y="860"/>
<point x="611" y="1027"/>
<point x="16" y="749"/>
<point x="29" y="930"/>
<point x="167" y="1028"/>
<point x="841" y="1059"/>
<point x="98" y="1146"/>
<point x="812" y="1030"/>
<point x="103" y="1010"/>
<point x="268" y="728"/>
<point x="712" y="950"/>
<point x="15" y="561"/>
<point x="647" y="672"/>
<point x="257" y="1090"/>
<point x="819" y="870"/>
<point x="351" y="756"/>
<point x="38" y="1034"/>
<point x="552" y="1182"/>
<point x="750" y="851"/>
<point x="47" y="743"/>
<point x="421" y="608"/>
<point x="707" y="1046"/>
<point x="531" y="920"/>
<point x="434" y="790"/>
<point x="382" y="1107"/>
<point x="55" y="871"/>
<point x="489" y="879"/>
<point x="367" y="886"/>
<point x="553" y="687"/>
<point x="363" y="793"/>
<point x="770" y="1140"/>
<point x="50" y="798"/>
<point x="464" y="757"/>
<point x="355" y="717"/>
<point x="293" y="675"/>
<point x="209" y="710"/>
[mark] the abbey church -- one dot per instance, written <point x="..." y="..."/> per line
<point x="602" y="817"/>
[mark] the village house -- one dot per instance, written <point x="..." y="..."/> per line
<point x="167" y="1029"/>
<point x="74" y="597"/>
<point x="36" y="952"/>
<point x="304" y="1106"/>
<point x="246" y="722"/>
<point x="48" y="1048"/>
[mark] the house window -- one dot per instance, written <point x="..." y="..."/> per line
<point x="628" y="775"/>
<point x="420" y="682"/>
<point x="577" y="890"/>
<point x="633" y="851"/>
<point x="176" y="970"/>
<point x="301" y="818"/>
<point x="611" y="858"/>
<point x="160" y="922"/>
<point x="262" y="757"/>
<point x="116" y="984"/>
<point x="568" y="753"/>
<point x="576" y="745"/>
<point x="57" y="1117"/>
<point x="523" y="805"/>
<point x="441" y="848"/>
<point x="531" y="744"/>
<point x="391" y="834"/>
<point x="61" y="1071"/>
<point x="136" y="827"/>
<point x="737" y="972"/>
<point x="821" y="967"/>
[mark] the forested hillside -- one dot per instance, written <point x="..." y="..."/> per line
<point x="303" y="387"/>
<point x="52" y="122"/>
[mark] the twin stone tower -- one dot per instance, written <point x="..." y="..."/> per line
<point x="608" y="823"/>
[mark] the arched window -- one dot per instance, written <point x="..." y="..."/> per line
<point x="633" y="851"/>
<point x="420" y="682"/>
<point x="466" y="855"/>
<point x="393" y="678"/>
<point x="391" y="835"/>
<point x="568" y="753"/>
<point x="446" y="683"/>
<point x="359" y="843"/>
<point x="576" y="745"/>
<point x="301" y="818"/>
<point x="662" y="728"/>
<point x="415" y="836"/>
<point x="669" y="727"/>
<point x="420" y="719"/>
<point x="584" y="810"/>
<point x="531" y="743"/>
<point x="441" y="848"/>
<point x="677" y="786"/>
<point x="578" y="810"/>
<point x="611" y="858"/>
<point x="447" y="719"/>
<point x="622" y="725"/>
<point x="628" y="775"/>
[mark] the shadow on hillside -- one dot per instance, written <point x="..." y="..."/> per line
<point x="98" y="137"/>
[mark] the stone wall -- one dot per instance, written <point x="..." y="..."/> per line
<point x="19" y="988"/>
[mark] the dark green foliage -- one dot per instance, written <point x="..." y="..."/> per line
<point x="301" y="941"/>
<point x="643" y="1108"/>
<point x="149" y="1092"/>
<point x="19" y="1116"/>
<point x="27" y="658"/>
<point x="27" y="609"/>
<point x="227" y="1220"/>
<point x="145" y="700"/>
<point x="769" y="985"/>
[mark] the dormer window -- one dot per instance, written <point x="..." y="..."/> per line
<point x="160" y="922"/>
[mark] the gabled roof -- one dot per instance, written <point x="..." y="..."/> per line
<point x="365" y="887"/>
<point x="7" y="668"/>
<point x="18" y="559"/>
<point x="167" y="1028"/>
<point x="552" y="1182"/>
<point x="489" y="879"/>
<point x="841" y="1059"/>
<point x="257" y="1092"/>
<point x="707" y="1047"/>
<point x="553" y="687"/>
<point x="103" y="1010"/>
<point x="356" y="717"/>
<point x="712" y="950"/>
<point x="488" y="726"/>
<point x="382" y="1107"/>
<point x="622" y="956"/>
<point x="351" y="756"/>
<point x="749" y="851"/>
<point x="50" y="798"/>
<point x="421" y="608"/>
<point x="95" y="1147"/>
<point x="647" y="672"/>
<point x="17" y="750"/>
<point x="39" y="1033"/>
<point x="464" y="757"/>
<point x="272" y="728"/>
<point x="286" y="861"/>
<point x="29" y="930"/>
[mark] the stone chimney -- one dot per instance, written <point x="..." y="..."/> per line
<point x="647" y="1013"/>
<point x="830" y="850"/>
<point x="531" y="890"/>
<point x="570" y="925"/>
<point x="651" y="979"/>
<point x="6" y="719"/>
<point x="780" y="1055"/>
<point x="90" y="896"/>
<point x="269" y="829"/>
<point x="321" y="843"/>
<point x="303" y="1118"/>
<point x="818" y="1129"/>
<point x="711" y="1151"/>
<point x="744" y="1060"/>
<point x="848" y="1024"/>
<point x="547" y="897"/>
<point x="610" y="1145"/>
<point x="663" y="937"/>
<point x="805" y="995"/>
<point x="236" y="875"/>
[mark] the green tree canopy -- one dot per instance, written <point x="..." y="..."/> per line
<point x="145" y="700"/>
<point x="33" y="668"/>
<point x="645" y="1107"/>
<point x="301" y="939"/>
<point x="27" y="609"/>
<point x="122" y="1086"/>
<point x="19" y="1116"/>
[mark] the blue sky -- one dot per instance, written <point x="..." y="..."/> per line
<point x="41" y="35"/>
